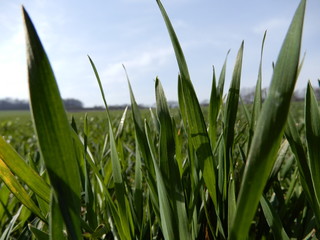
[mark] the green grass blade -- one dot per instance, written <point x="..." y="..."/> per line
<point x="312" y="121"/>
<point x="53" y="131"/>
<point x="18" y="191"/>
<point x="232" y="106"/>
<point x="100" y="86"/>
<point x="166" y="212"/>
<point x="168" y="166"/>
<point x="56" y="225"/>
<point x="273" y="220"/>
<point x="257" y="102"/>
<point x="297" y="148"/>
<point x="21" y="169"/>
<point x="214" y="107"/>
<point x="215" y="102"/>
<point x="139" y="129"/>
<point x="270" y="128"/>
<point x="138" y="190"/>
<point x="124" y="213"/>
<point x="167" y="144"/>
<point x="194" y="117"/>
<point x="39" y="235"/>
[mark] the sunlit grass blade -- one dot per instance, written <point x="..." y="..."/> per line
<point x="312" y="121"/>
<point x="194" y="117"/>
<point x="18" y="191"/>
<point x="273" y="219"/>
<point x="53" y="131"/>
<point x="100" y="86"/>
<point x="21" y="169"/>
<point x="6" y="234"/>
<point x="139" y="129"/>
<point x="270" y="128"/>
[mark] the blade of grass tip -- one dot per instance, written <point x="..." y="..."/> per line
<point x="17" y="190"/>
<point x="53" y="131"/>
<point x="100" y="87"/>
<point x="39" y="235"/>
<point x="213" y="110"/>
<point x="270" y="128"/>
<point x="312" y="122"/>
<point x="121" y="124"/>
<point x="21" y="169"/>
<point x="215" y="102"/>
<point x="194" y="117"/>
<point x="232" y="106"/>
<point x="257" y="102"/>
<point x="273" y="219"/>
<point x="222" y="78"/>
<point x="143" y="143"/>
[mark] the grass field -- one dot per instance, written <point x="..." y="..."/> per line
<point x="229" y="171"/>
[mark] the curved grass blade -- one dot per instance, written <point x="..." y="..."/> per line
<point x="6" y="234"/>
<point x="312" y="121"/>
<point x="193" y="117"/>
<point x="100" y="86"/>
<point x="53" y="131"/>
<point x="21" y="169"/>
<point x="270" y="128"/>
<point x="18" y="191"/>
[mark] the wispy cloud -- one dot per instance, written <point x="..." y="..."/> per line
<point x="273" y="24"/>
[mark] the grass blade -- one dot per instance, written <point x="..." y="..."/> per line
<point x="53" y="131"/>
<point x="270" y="128"/>
<point x="273" y="219"/>
<point x="257" y="102"/>
<point x="312" y="120"/>
<point x="21" y="169"/>
<point x="166" y="213"/>
<point x="193" y="115"/>
<point x="18" y="191"/>
<point x="124" y="212"/>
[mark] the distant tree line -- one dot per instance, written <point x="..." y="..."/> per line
<point x="247" y="94"/>
<point x="17" y="104"/>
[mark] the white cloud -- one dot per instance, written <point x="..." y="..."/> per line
<point x="143" y="63"/>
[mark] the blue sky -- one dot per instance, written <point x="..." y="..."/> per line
<point x="132" y="32"/>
